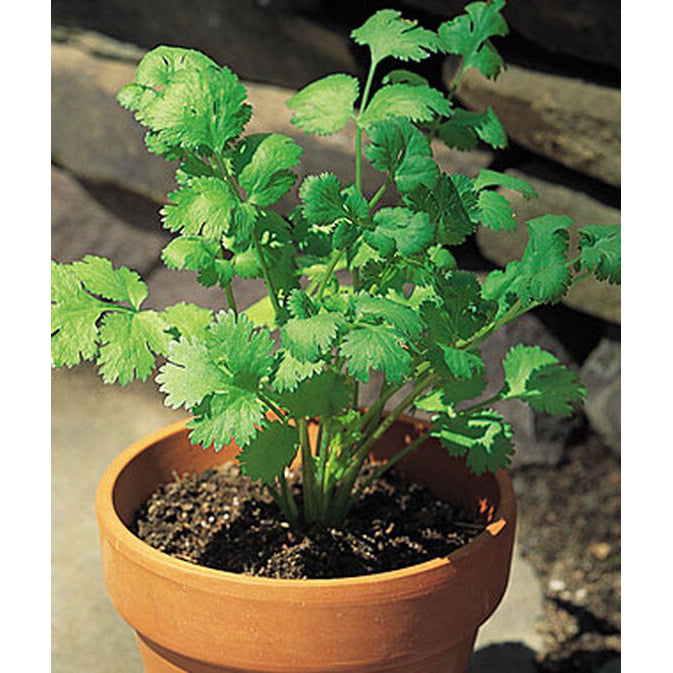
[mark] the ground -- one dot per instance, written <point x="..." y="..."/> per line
<point x="570" y="530"/>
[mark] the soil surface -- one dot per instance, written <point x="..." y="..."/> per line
<point x="220" y="519"/>
<point x="570" y="531"/>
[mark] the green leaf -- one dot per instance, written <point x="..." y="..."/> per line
<point x="496" y="212"/>
<point x="461" y="364"/>
<point x="245" y="352"/>
<point x="468" y="35"/>
<point x="190" y="252"/>
<point x="402" y="318"/>
<point x="462" y="310"/>
<point x="219" y="379"/>
<point x="323" y="202"/>
<point x="601" y="251"/>
<point x="323" y="395"/>
<point x="324" y="106"/>
<point x="101" y="278"/>
<point x="446" y="207"/>
<point x="418" y="103"/>
<point x="188" y="319"/>
<point x="309" y="339"/>
<point x="291" y="372"/>
<point x="465" y="128"/>
<point x="275" y="242"/>
<point x="187" y="101"/>
<point x="378" y="348"/>
<point x="553" y="389"/>
<point x="404" y="77"/>
<point x="455" y="390"/>
<point x="483" y="435"/>
<point x="546" y="275"/>
<point x="203" y="207"/>
<point x="401" y="229"/>
<point x="262" y="166"/>
<point x="536" y="377"/>
<point x="397" y="147"/>
<point x="269" y="453"/>
<point x="386" y="33"/>
<point x="488" y="178"/>
<point x="190" y="374"/>
<point x="159" y="66"/>
<point x="129" y="342"/>
<point x="74" y="314"/>
<point x="232" y="414"/>
<point x="262" y="313"/>
<point x="519" y="363"/>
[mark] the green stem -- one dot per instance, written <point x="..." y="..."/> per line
<point x="272" y="406"/>
<point x="381" y="191"/>
<point x="328" y="272"/>
<point x="265" y="273"/>
<point x="358" y="133"/>
<point x="288" y="499"/>
<point x="342" y="499"/>
<point x="308" y="473"/>
<point x="390" y="463"/>
<point x="229" y="292"/>
<point x="474" y="407"/>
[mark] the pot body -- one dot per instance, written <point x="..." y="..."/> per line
<point x="191" y="619"/>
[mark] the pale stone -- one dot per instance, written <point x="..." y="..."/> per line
<point x="566" y="119"/>
<point x="80" y="226"/>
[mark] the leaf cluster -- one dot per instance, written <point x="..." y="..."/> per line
<point x="354" y="288"/>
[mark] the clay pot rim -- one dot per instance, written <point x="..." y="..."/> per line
<point x="127" y="542"/>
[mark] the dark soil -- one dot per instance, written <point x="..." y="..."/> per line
<point x="570" y="531"/>
<point x="220" y="519"/>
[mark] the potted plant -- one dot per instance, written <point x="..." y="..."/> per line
<point x="279" y="384"/>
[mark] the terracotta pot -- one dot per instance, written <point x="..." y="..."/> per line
<point x="421" y="619"/>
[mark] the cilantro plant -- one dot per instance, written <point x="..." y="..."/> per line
<point x="261" y="376"/>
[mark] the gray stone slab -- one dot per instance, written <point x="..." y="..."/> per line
<point x="518" y="616"/>
<point x="91" y="424"/>
<point x="80" y="226"/>
<point x="91" y="134"/>
<point x="602" y="375"/>
<point x="566" y="119"/>
<point x="169" y="286"/>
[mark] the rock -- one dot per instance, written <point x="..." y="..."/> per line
<point x="599" y="550"/>
<point x="602" y="375"/>
<point x="97" y="44"/>
<point x="168" y="286"/>
<point x="80" y="226"/>
<point x="587" y="30"/>
<point x="261" y="40"/>
<point x="93" y="137"/>
<point x="597" y="298"/>
<point x="91" y="134"/>
<point x="539" y="439"/>
<point x="566" y="119"/>
<point x="517" y="618"/>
